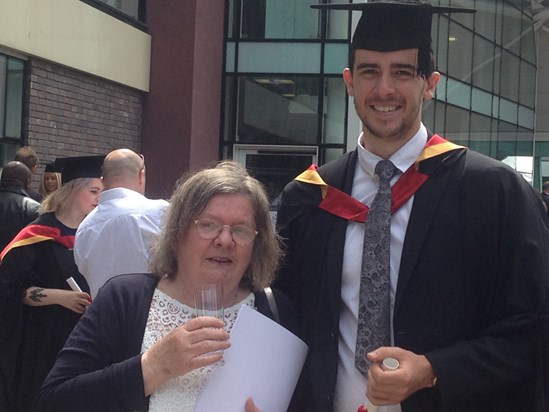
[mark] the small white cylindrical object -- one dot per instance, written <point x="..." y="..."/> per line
<point x="390" y="364"/>
<point x="74" y="286"/>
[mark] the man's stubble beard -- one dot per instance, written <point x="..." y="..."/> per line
<point x="394" y="134"/>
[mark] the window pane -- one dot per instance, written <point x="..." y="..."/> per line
<point x="481" y="128"/>
<point x="232" y="27"/>
<point x="337" y="23"/>
<point x="8" y="148"/>
<point x="334" y="111"/>
<point x="527" y="88"/>
<point x="483" y="64"/>
<point x="3" y="64"/>
<point x="331" y="154"/>
<point x="128" y="7"/>
<point x="485" y="18"/>
<point x="438" y="125"/>
<point x="336" y="58"/>
<point x="278" y="57"/>
<point x="229" y="116"/>
<point x="281" y="110"/>
<point x="441" y="54"/>
<point x="279" y="19"/>
<point x="14" y="97"/>
<point x="458" y="93"/>
<point x="511" y="35"/>
<point x="459" y="52"/>
<point x="428" y="115"/>
<point x="466" y="19"/>
<point x="457" y="124"/>
<point x="481" y="102"/>
<point x="528" y="43"/>
<point x="510" y="68"/>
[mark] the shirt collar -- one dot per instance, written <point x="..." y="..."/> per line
<point x="403" y="158"/>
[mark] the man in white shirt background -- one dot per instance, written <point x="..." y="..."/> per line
<point x="116" y="236"/>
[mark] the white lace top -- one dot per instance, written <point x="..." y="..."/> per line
<point x="179" y="394"/>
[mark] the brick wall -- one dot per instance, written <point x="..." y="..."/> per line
<point x="69" y="113"/>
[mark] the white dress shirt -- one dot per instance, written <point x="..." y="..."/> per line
<point x="350" y="390"/>
<point x="116" y="236"/>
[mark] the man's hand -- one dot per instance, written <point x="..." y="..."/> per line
<point x="390" y="387"/>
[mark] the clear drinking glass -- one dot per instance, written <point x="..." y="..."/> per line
<point x="208" y="300"/>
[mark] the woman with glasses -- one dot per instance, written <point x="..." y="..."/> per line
<point x="140" y="347"/>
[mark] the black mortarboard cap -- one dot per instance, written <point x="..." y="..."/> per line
<point x="391" y="25"/>
<point x="76" y="167"/>
<point x="50" y="168"/>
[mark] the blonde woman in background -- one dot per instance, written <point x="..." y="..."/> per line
<point x="38" y="309"/>
<point x="51" y="181"/>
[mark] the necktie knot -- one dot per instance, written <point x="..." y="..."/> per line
<point x="385" y="169"/>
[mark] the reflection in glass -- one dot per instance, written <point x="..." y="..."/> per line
<point x="276" y="170"/>
<point x="281" y="110"/>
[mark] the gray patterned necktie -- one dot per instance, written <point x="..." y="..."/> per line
<point x="375" y="302"/>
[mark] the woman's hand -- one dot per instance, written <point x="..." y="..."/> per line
<point x="75" y="301"/>
<point x="193" y="345"/>
<point x="250" y="406"/>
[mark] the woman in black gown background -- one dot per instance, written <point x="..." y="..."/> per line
<point x="38" y="309"/>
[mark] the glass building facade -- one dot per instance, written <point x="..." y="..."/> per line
<point x="12" y="73"/>
<point x="283" y="85"/>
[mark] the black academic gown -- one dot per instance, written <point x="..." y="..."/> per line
<point x="31" y="337"/>
<point x="471" y="289"/>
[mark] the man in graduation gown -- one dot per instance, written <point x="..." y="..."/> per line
<point x="469" y="261"/>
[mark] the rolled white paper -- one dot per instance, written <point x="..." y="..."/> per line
<point x="391" y="364"/>
<point x="74" y="286"/>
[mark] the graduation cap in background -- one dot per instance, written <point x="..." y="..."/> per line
<point x="50" y="168"/>
<point x="391" y="25"/>
<point x="77" y="167"/>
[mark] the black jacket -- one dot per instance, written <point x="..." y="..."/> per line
<point x="472" y="287"/>
<point x="17" y="210"/>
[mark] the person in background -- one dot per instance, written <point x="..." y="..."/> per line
<point x="38" y="309"/>
<point x="50" y="182"/>
<point x="459" y="297"/>
<point x="28" y="156"/>
<point x="17" y="209"/>
<point x="116" y="237"/>
<point x="139" y="346"/>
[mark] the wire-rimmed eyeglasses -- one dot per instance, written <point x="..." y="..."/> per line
<point x="210" y="229"/>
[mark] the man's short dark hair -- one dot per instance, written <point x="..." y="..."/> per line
<point x="28" y="156"/>
<point x="15" y="174"/>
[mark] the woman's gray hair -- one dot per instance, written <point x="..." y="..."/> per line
<point x="189" y="200"/>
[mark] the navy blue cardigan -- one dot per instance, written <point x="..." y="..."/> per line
<point x="99" y="369"/>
